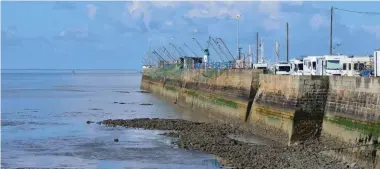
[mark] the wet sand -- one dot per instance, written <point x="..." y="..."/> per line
<point x="217" y="139"/>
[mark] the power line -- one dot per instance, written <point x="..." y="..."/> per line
<point x="361" y="12"/>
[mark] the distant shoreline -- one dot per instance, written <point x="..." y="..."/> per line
<point x="68" y="71"/>
<point x="75" y="69"/>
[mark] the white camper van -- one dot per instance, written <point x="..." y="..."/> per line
<point x="282" y="68"/>
<point x="260" y="66"/>
<point x="353" y="65"/>
<point x="329" y="65"/>
<point x="376" y="63"/>
<point x="296" y="67"/>
<point x="310" y="65"/>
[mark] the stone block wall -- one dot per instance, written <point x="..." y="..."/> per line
<point x="303" y="107"/>
<point x="292" y="104"/>
<point x="353" y="109"/>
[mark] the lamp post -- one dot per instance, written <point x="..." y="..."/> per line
<point x="195" y="31"/>
<point x="237" y="36"/>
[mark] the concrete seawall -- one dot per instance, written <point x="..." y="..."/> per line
<point x="301" y="107"/>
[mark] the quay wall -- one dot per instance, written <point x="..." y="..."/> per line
<point x="353" y="109"/>
<point x="301" y="107"/>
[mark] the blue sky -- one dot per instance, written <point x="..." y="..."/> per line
<point x="116" y="35"/>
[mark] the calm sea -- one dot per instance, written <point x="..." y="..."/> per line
<point x="44" y="114"/>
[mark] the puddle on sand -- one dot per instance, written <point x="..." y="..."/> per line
<point x="251" y="139"/>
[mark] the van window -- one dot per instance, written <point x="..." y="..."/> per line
<point x="361" y="66"/>
<point x="344" y="66"/>
<point x="356" y="66"/>
<point x="349" y="66"/>
<point x="314" y="65"/>
<point x="333" y="65"/>
<point x="300" y="66"/>
<point x="284" y="68"/>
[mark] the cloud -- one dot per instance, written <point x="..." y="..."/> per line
<point x="62" y="5"/>
<point x="212" y="10"/>
<point x="271" y="9"/>
<point x="274" y="17"/>
<point x="317" y="21"/>
<point x="270" y="24"/>
<point x="77" y="34"/>
<point x="119" y="26"/>
<point x="373" y="29"/>
<point x="169" y="22"/>
<point x="9" y="36"/>
<point x="165" y="4"/>
<point x="295" y="3"/>
<point x="91" y="10"/>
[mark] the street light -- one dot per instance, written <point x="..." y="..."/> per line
<point x="237" y="36"/>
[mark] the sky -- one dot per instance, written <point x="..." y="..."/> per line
<point x="117" y="35"/>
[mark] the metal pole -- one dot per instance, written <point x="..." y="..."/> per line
<point x="237" y="37"/>
<point x="257" y="47"/>
<point x="331" y="29"/>
<point x="287" y="43"/>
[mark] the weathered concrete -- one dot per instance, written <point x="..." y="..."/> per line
<point x="292" y="104"/>
<point x="301" y="107"/>
<point x="353" y="109"/>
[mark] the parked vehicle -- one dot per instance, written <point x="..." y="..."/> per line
<point x="282" y="68"/>
<point x="329" y="65"/>
<point x="367" y="73"/>
<point x="296" y="67"/>
<point x="376" y="63"/>
<point x="354" y="65"/>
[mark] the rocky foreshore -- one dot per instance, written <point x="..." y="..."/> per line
<point x="213" y="138"/>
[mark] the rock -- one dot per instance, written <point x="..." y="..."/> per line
<point x="352" y="165"/>
<point x="213" y="138"/>
<point x="122" y="91"/>
<point x="116" y="140"/>
<point x="95" y="109"/>
<point x="143" y="91"/>
<point x="89" y="122"/>
<point x="115" y="102"/>
<point x="146" y="104"/>
<point x="122" y="103"/>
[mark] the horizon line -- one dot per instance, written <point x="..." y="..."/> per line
<point x="67" y="69"/>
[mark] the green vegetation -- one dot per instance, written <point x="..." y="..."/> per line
<point x="221" y="101"/>
<point x="216" y="100"/>
<point x="273" y="118"/>
<point x="191" y="92"/>
<point x="170" y="88"/>
<point x="367" y="128"/>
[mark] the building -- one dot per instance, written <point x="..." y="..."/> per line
<point x="189" y="62"/>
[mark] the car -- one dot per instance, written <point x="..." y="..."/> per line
<point x="367" y="73"/>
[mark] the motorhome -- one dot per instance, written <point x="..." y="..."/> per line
<point x="354" y="65"/>
<point x="329" y="65"/>
<point x="310" y="65"/>
<point x="296" y="67"/>
<point x="376" y="63"/>
<point x="282" y="68"/>
<point x="260" y="66"/>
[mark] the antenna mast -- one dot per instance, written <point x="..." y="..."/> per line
<point x="262" y="51"/>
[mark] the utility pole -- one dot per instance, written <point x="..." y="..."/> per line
<point x="257" y="47"/>
<point x="277" y="52"/>
<point x="331" y="29"/>
<point x="237" y="36"/>
<point x="287" y="42"/>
